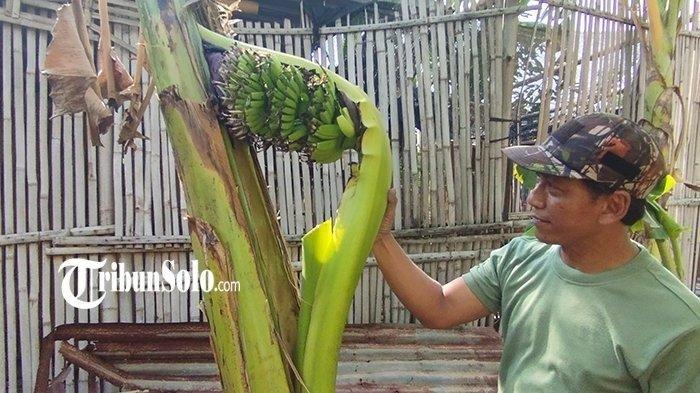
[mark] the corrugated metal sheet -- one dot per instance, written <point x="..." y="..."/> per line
<point x="381" y="358"/>
<point x="373" y="358"/>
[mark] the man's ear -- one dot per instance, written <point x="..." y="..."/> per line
<point x="615" y="208"/>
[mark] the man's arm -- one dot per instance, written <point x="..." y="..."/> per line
<point x="435" y="305"/>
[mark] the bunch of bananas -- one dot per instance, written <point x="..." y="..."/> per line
<point x="292" y="108"/>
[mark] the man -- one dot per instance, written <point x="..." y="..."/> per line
<point x="583" y="307"/>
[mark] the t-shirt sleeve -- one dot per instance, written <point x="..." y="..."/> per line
<point x="485" y="280"/>
<point x="677" y="368"/>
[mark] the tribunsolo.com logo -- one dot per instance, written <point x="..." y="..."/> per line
<point x="78" y="282"/>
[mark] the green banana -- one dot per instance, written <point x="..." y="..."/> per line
<point x="328" y="131"/>
<point x="345" y="123"/>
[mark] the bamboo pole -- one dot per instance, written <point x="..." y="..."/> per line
<point x="152" y="196"/>
<point x="505" y="36"/>
<point x="618" y="64"/>
<point x="605" y="70"/>
<point x="20" y="178"/>
<point x="469" y="202"/>
<point x="421" y="60"/>
<point x="44" y="195"/>
<point x="562" y="88"/>
<point x="629" y="69"/>
<point x="431" y="81"/>
<point x="544" y="120"/>
<point x="171" y="189"/>
<point x="297" y="173"/>
<point x="6" y="271"/>
<point x="586" y="63"/>
<point x="394" y="117"/>
<point x="447" y="129"/>
<point x="454" y="32"/>
<point x="133" y="196"/>
<point x="596" y="50"/>
<point x="33" y="201"/>
<point x="405" y="183"/>
<point x="478" y="123"/>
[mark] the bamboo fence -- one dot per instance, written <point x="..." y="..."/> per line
<point x="442" y="76"/>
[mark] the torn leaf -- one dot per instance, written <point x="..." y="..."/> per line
<point x="99" y="116"/>
<point x="132" y="119"/>
<point x="68" y="68"/>
<point x="122" y="82"/>
<point x="72" y="77"/>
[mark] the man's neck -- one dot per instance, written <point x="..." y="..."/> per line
<point x="600" y="253"/>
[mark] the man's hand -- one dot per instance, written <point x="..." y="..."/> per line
<point x="389" y="213"/>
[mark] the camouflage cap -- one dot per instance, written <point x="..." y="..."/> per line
<point x="602" y="147"/>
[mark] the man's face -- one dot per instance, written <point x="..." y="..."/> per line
<point x="564" y="210"/>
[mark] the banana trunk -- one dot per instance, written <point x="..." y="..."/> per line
<point x="660" y="93"/>
<point x="234" y="232"/>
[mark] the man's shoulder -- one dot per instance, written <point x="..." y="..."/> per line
<point x="669" y="290"/>
<point x="527" y="246"/>
<point x="524" y="253"/>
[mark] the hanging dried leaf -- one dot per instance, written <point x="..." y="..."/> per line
<point x="134" y="91"/>
<point x="68" y="68"/>
<point x="72" y="77"/>
<point x="100" y="118"/>
<point x="132" y="119"/>
<point x="122" y="81"/>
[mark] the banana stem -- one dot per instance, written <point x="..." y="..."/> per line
<point x="677" y="256"/>
<point x="665" y="255"/>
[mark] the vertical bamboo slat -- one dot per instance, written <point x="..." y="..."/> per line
<point x="421" y="63"/>
<point x="595" y="59"/>
<point x="394" y="116"/>
<point x="7" y="304"/>
<point x="44" y="195"/>
<point x="299" y="176"/>
<point x="478" y="125"/>
<point x="465" y="122"/>
<point x="446" y="128"/>
<point x="485" y="45"/>
<point x="20" y="160"/>
<point x="413" y="184"/>
<point x="564" y="52"/>
<point x="545" y="97"/>
<point x="454" y="32"/>
<point x="33" y="200"/>
<point x="586" y="64"/>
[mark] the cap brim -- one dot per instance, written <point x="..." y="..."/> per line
<point x="537" y="159"/>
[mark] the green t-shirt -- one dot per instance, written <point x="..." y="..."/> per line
<point x="635" y="328"/>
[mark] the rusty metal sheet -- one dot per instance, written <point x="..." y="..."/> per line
<point x="373" y="358"/>
<point x="395" y="358"/>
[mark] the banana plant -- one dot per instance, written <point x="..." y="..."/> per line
<point x="272" y="98"/>
<point x="265" y="98"/>
<point x="661" y="91"/>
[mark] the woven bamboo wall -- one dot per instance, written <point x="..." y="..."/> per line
<point x="63" y="198"/>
